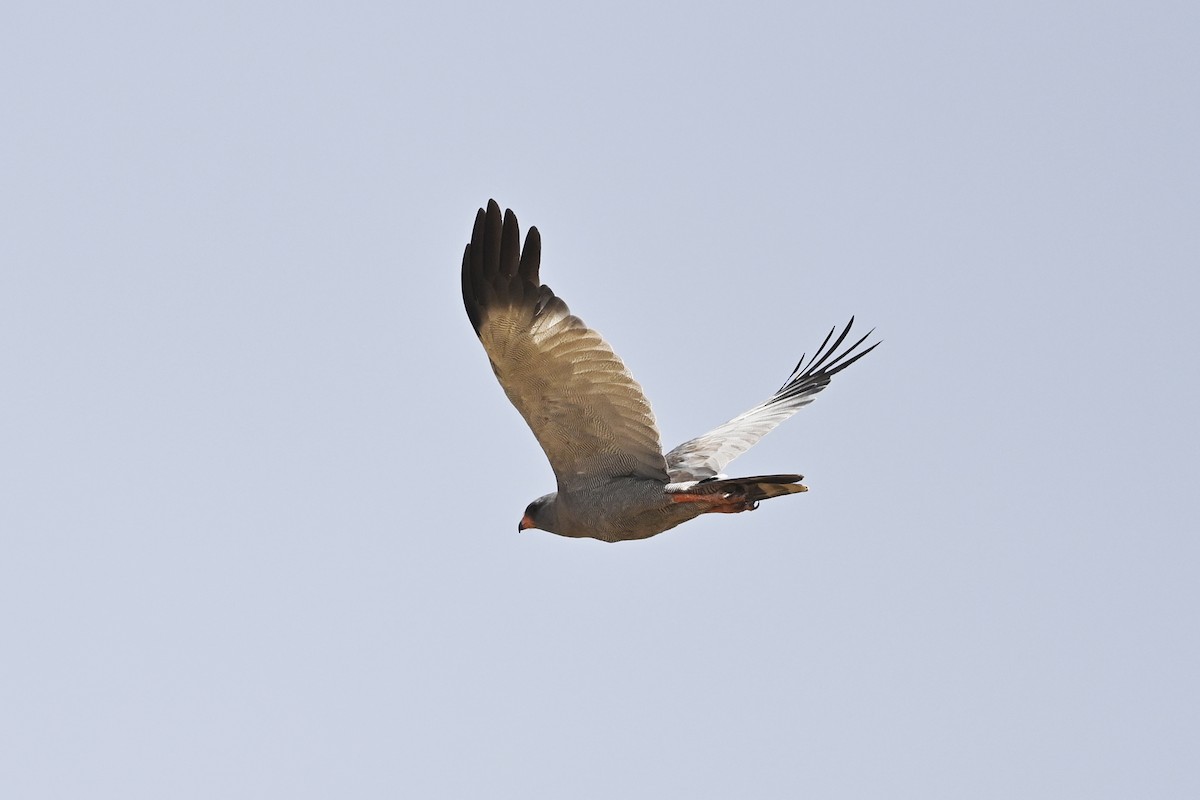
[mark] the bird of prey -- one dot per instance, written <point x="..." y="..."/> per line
<point x="591" y="417"/>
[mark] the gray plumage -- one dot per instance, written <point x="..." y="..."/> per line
<point x="591" y="417"/>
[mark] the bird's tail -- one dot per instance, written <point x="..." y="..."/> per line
<point x="731" y="495"/>
<point x="759" y="487"/>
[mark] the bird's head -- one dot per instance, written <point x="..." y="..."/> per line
<point x="539" y="514"/>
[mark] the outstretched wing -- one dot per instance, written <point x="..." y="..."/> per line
<point x="705" y="456"/>
<point x="587" y="412"/>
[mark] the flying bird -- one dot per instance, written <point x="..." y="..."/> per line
<point x="591" y="417"/>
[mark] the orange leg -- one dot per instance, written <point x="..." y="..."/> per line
<point x="716" y="503"/>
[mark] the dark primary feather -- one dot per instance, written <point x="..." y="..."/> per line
<point x="806" y="381"/>
<point x="496" y="272"/>
<point x="818" y="373"/>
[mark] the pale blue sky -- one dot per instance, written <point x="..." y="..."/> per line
<point x="259" y="488"/>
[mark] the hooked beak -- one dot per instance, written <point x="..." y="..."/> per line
<point x="525" y="523"/>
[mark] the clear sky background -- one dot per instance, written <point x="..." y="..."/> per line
<point x="259" y="489"/>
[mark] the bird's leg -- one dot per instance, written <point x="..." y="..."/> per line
<point x="726" y="503"/>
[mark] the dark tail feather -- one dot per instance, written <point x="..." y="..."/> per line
<point x="759" y="487"/>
